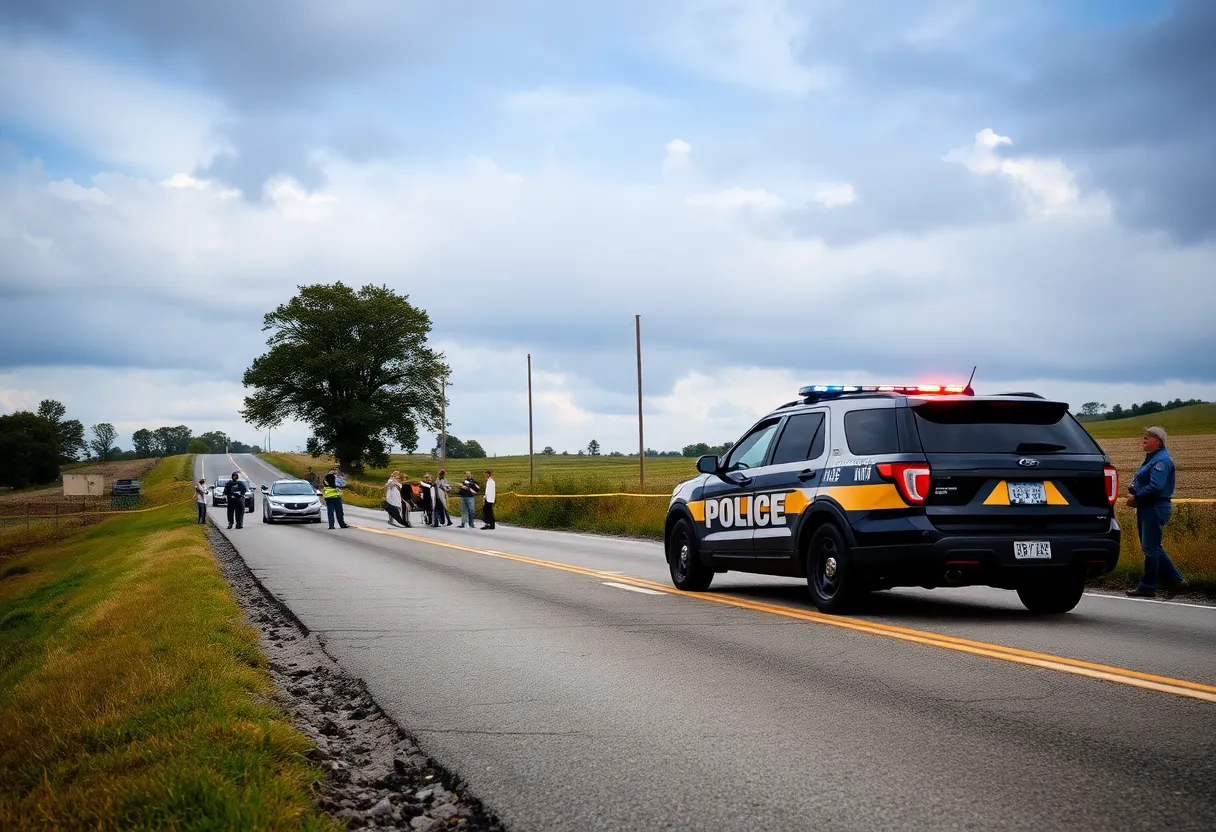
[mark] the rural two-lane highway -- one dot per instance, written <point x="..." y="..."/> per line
<point x="557" y="674"/>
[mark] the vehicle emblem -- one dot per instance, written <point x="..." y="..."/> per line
<point x="1027" y="462"/>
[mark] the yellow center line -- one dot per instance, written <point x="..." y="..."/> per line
<point x="1092" y="670"/>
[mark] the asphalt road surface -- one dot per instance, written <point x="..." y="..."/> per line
<point x="573" y="688"/>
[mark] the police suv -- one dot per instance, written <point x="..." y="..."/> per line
<point x="864" y="488"/>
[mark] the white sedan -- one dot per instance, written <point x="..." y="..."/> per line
<point x="290" y="500"/>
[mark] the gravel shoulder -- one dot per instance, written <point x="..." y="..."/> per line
<point x="378" y="777"/>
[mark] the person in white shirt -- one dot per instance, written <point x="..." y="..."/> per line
<point x="491" y="494"/>
<point x="200" y="497"/>
<point x="392" y="500"/>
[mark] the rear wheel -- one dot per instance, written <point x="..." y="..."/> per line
<point x="1053" y="598"/>
<point x="831" y="575"/>
<point x="687" y="570"/>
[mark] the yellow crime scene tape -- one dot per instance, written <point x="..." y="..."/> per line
<point x="573" y="496"/>
<point x="90" y="513"/>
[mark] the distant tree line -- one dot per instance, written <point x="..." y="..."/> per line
<point x="1097" y="410"/>
<point x="470" y="449"/>
<point x="33" y="446"/>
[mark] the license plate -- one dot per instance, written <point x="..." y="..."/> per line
<point x="1027" y="494"/>
<point x="1032" y="549"/>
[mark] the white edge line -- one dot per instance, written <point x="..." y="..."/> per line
<point x="1149" y="601"/>
<point x="640" y="589"/>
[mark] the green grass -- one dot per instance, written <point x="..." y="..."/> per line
<point x="1190" y="420"/>
<point x="132" y="695"/>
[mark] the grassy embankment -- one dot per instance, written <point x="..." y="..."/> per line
<point x="1184" y="421"/>
<point x="1190" y="536"/>
<point x="132" y="695"/>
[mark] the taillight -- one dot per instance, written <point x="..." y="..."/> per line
<point x="911" y="480"/>
<point x="1112" y="484"/>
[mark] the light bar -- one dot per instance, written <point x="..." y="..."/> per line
<point x="819" y="390"/>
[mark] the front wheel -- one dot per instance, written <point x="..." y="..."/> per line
<point x="687" y="571"/>
<point x="1053" y="598"/>
<point x="831" y="575"/>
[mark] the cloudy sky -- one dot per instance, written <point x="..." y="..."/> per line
<point x="813" y="191"/>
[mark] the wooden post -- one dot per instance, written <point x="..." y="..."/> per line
<point x="443" y="419"/>
<point x="637" y="323"/>
<point x="531" y="457"/>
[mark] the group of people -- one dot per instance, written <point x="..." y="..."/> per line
<point x="401" y="498"/>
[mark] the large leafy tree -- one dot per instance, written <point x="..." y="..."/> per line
<point x="29" y="448"/>
<point x="102" y="442"/>
<point x="69" y="432"/>
<point x="354" y="366"/>
<point x="144" y="442"/>
<point x="169" y="441"/>
<point x="216" y="440"/>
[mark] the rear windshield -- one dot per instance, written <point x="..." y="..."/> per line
<point x="291" y="488"/>
<point x="1000" y="427"/>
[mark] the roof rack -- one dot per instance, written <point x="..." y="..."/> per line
<point x="1022" y="395"/>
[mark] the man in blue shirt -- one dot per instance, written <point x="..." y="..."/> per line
<point x="1151" y="492"/>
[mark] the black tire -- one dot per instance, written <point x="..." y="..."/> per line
<point x="1054" y="598"/>
<point x="687" y="571"/>
<point x="831" y="574"/>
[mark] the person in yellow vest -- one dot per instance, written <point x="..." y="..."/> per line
<point x="333" y="500"/>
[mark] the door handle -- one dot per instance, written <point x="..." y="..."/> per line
<point x="806" y="475"/>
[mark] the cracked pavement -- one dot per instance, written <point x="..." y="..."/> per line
<point x="566" y="704"/>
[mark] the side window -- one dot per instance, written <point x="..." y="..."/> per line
<point x="752" y="449"/>
<point x="871" y="432"/>
<point x="801" y="440"/>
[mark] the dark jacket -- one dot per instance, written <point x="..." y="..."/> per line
<point x="469" y="487"/>
<point x="235" y="490"/>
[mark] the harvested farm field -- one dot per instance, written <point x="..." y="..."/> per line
<point x="1194" y="458"/>
<point x="126" y="469"/>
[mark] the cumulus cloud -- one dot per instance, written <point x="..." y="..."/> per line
<point x="369" y="160"/>
<point x="1047" y="186"/>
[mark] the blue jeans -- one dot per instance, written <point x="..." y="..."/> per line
<point x="333" y="507"/>
<point x="1150" y="523"/>
<point x="466" y="511"/>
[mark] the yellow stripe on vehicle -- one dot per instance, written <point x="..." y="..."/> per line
<point x="865" y="497"/>
<point x="1054" y="497"/>
<point x="999" y="495"/>
<point x="697" y="509"/>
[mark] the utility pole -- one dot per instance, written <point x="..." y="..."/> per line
<point x="443" y="419"/>
<point x="637" y="324"/>
<point x="531" y="457"/>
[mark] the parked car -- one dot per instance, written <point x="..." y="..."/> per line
<point x="218" y="498"/>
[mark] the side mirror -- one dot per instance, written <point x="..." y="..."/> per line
<point x="707" y="464"/>
<point x="265" y="489"/>
<point x="319" y="493"/>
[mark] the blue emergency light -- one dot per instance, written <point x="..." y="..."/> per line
<point x="823" y="390"/>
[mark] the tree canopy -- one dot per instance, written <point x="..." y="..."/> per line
<point x="29" y="447"/>
<point x="354" y="366"/>
<point x="68" y="432"/>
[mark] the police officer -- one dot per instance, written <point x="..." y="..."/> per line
<point x="234" y="496"/>
<point x="333" y="500"/>
<point x="1151" y="490"/>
